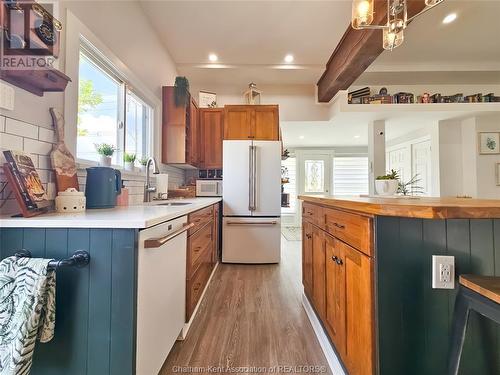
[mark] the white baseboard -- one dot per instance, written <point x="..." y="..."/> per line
<point x="326" y="346"/>
<point x="187" y="325"/>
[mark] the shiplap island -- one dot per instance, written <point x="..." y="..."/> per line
<point x="367" y="265"/>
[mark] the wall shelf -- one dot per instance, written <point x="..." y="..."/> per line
<point x="37" y="82"/>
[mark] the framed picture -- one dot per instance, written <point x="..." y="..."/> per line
<point x="207" y="99"/>
<point x="497" y="170"/>
<point x="489" y="143"/>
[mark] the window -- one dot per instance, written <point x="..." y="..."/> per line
<point x="350" y="175"/>
<point x="314" y="178"/>
<point x="109" y="111"/>
<point x="291" y="186"/>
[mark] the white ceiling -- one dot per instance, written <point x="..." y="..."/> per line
<point x="251" y="39"/>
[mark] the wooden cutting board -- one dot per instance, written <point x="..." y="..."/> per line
<point x="62" y="160"/>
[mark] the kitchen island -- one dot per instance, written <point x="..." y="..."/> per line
<point x="106" y="312"/>
<point x="367" y="272"/>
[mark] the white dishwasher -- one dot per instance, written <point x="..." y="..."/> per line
<point x="161" y="292"/>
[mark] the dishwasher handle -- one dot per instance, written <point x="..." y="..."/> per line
<point x="157" y="242"/>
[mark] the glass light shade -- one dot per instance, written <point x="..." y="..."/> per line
<point x="362" y="13"/>
<point x="431" y="3"/>
<point x="392" y="38"/>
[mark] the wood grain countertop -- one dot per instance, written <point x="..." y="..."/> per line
<point x="424" y="208"/>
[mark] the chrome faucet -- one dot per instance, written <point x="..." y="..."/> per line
<point x="148" y="188"/>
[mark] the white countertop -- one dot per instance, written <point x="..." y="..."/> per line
<point x="139" y="216"/>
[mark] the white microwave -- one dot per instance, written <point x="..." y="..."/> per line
<point x="209" y="188"/>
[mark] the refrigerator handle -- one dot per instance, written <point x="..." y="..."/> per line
<point x="254" y="175"/>
<point x="250" y="178"/>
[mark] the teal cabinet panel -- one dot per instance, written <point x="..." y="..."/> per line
<point x="96" y="305"/>
<point x="413" y="320"/>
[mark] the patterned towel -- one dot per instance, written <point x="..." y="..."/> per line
<point x="27" y="311"/>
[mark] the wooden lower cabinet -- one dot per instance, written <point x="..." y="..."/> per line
<point x="202" y="250"/>
<point x="341" y="292"/>
<point x="307" y="258"/>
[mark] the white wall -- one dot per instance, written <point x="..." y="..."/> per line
<point x="463" y="170"/>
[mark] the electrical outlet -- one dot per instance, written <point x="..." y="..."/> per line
<point x="443" y="272"/>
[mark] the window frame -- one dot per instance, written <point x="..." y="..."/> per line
<point x="76" y="32"/>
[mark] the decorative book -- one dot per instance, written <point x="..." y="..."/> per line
<point x="25" y="183"/>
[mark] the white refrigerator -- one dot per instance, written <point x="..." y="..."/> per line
<point x="251" y="202"/>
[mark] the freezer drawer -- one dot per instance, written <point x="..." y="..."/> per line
<point x="251" y="240"/>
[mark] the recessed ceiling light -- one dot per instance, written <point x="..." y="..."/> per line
<point x="357" y="136"/>
<point x="301" y="137"/>
<point x="213" y="57"/>
<point x="450" y="18"/>
<point x="289" y="58"/>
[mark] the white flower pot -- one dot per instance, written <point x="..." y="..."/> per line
<point x="129" y="166"/>
<point x="105" y="161"/>
<point x="386" y="187"/>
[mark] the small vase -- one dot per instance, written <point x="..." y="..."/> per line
<point x="105" y="161"/>
<point x="386" y="187"/>
<point x="129" y="166"/>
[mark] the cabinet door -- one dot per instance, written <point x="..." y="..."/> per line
<point x="307" y="258"/>
<point x="216" y="235"/>
<point x="335" y="293"/>
<point x="358" y="268"/>
<point x="192" y="150"/>
<point x="211" y="134"/>
<point x="237" y="122"/>
<point x="265" y="125"/>
<point x="318" y="245"/>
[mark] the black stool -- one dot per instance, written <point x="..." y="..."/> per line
<point x="478" y="293"/>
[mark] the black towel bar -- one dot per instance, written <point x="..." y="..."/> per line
<point x="80" y="258"/>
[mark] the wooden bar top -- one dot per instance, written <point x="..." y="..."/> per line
<point x="424" y="208"/>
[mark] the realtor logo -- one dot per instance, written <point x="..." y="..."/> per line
<point x="30" y="35"/>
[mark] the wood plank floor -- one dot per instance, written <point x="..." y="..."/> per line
<point x="251" y="316"/>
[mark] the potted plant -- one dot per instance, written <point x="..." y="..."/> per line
<point x="387" y="184"/>
<point x="129" y="160"/>
<point x="143" y="161"/>
<point x="105" y="152"/>
<point x="181" y="91"/>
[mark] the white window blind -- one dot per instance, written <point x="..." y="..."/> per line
<point x="350" y="175"/>
<point x="291" y="187"/>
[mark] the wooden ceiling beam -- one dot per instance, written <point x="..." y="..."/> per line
<point x="355" y="52"/>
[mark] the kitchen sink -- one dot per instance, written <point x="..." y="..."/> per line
<point x="174" y="204"/>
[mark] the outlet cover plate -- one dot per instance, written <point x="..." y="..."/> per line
<point x="443" y="272"/>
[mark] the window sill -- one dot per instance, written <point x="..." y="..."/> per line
<point x="83" y="164"/>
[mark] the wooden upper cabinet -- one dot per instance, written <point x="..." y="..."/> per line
<point x="266" y="123"/>
<point x="211" y="135"/>
<point x="180" y="135"/>
<point x="257" y="122"/>
<point x="335" y="293"/>
<point x="307" y="258"/>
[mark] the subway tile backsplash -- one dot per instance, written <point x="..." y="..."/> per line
<point x="37" y="141"/>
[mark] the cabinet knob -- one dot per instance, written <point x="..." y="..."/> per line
<point x="339" y="261"/>
<point x="335" y="259"/>
<point x="308" y="235"/>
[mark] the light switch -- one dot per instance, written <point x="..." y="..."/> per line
<point x="6" y="96"/>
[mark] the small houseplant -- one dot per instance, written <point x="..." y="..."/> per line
<point x="387" y="184"/>
<point x="181" y="91"/>
<point x="129" y="160"/>
<point x="143" y="161"/>
<point x="105" y="152"/>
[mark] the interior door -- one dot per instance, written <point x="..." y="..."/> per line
<point x="236" y="181"/>
<point x="267" y="184"/>
<point x="398" y="160"/>
<point x="315" y="174"/>
<point x="422" y="165"/>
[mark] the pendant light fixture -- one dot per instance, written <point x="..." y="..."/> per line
<point x="397" y="19"/>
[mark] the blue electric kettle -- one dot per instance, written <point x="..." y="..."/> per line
<point x="102" y="187"/>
